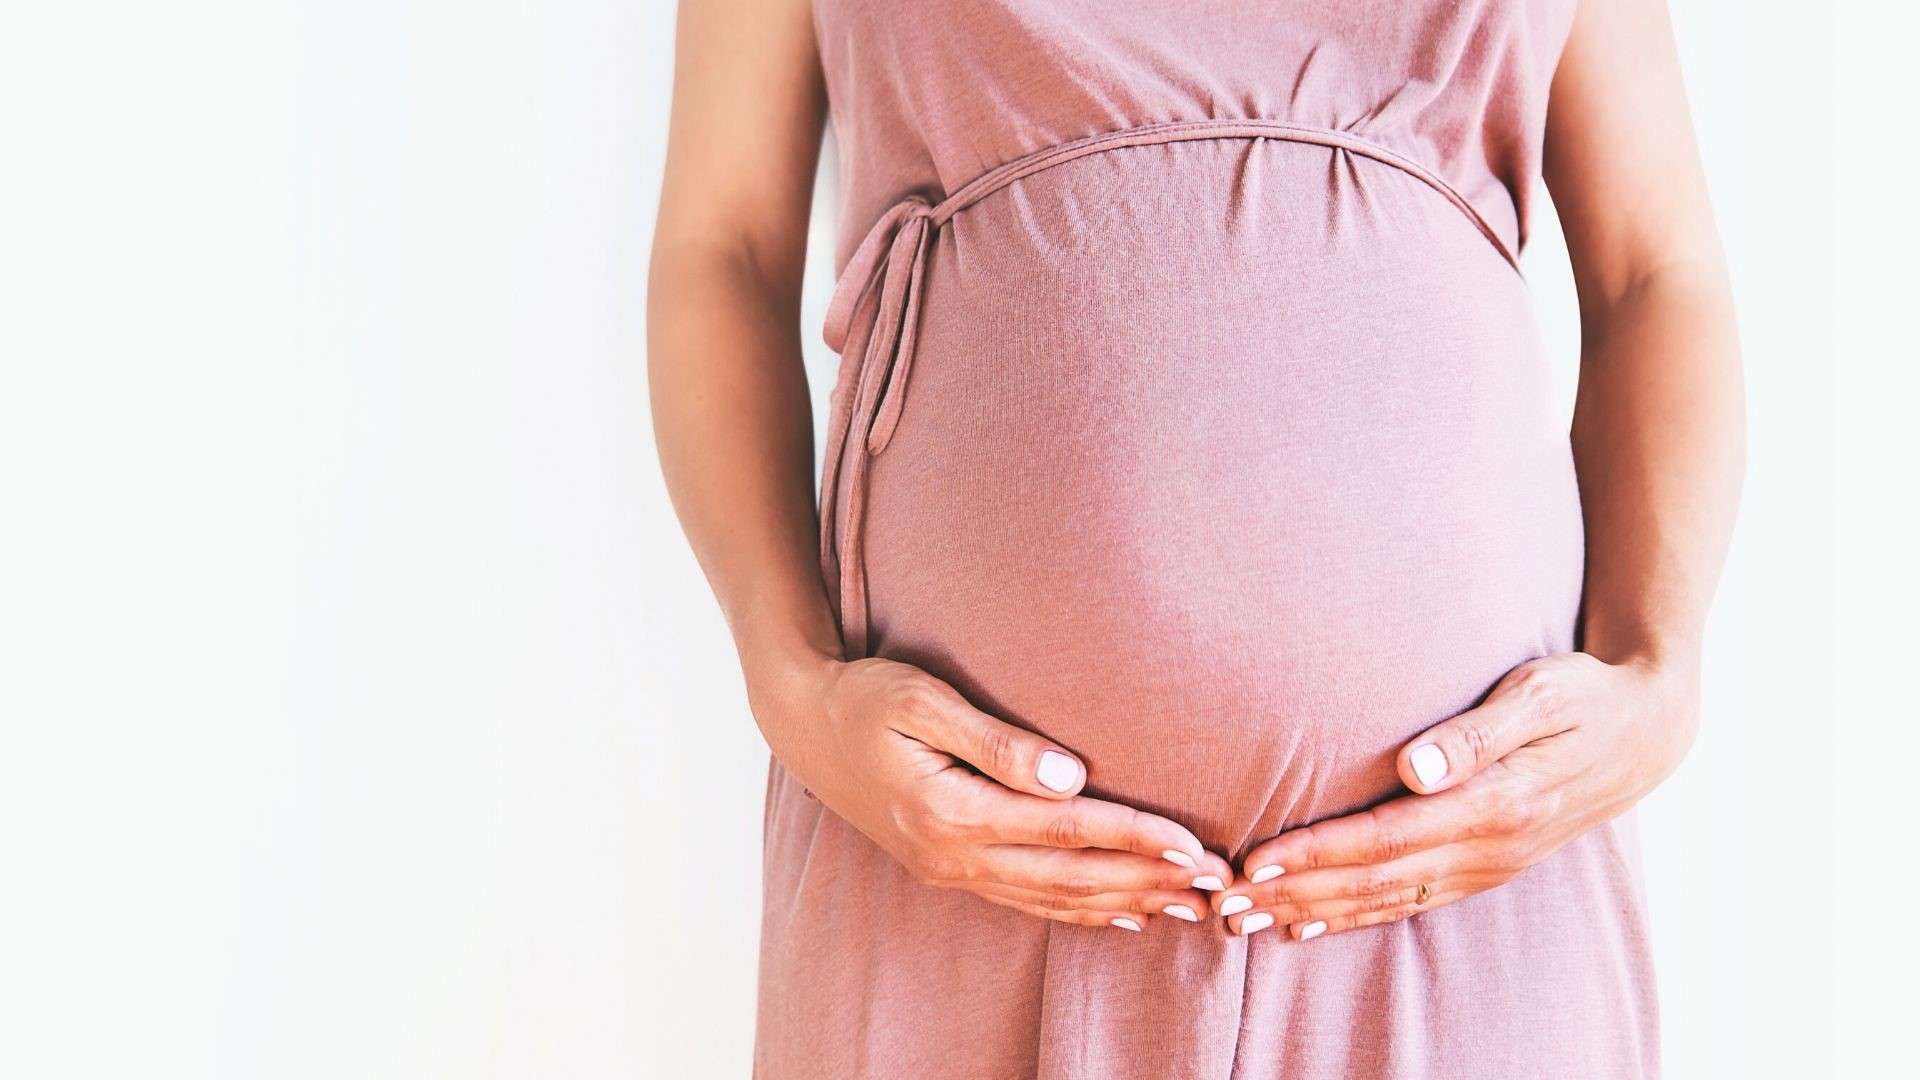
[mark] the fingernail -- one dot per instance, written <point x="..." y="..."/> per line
<point x="1209" y="882"/>
<point x="1178" y="858"/>
<point x="1181" y="911"/>
<point x="1058" y="771"/>
<point x="1255" y="923"/>
<point x="1125" y="923"/>
<point x="1312" y="930"/>
<point x="1266" y="873"/>
<point x="1234" y="905"/>
<point x="1429" y="764"/>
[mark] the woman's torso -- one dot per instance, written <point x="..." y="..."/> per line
<point x="1228" y="462"/>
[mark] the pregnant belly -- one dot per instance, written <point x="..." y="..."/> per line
<point x="1230" y="465"/>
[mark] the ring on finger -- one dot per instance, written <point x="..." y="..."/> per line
<point x="1422" y="894"/>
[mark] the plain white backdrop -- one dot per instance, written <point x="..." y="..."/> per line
<point x="368" y="716"/>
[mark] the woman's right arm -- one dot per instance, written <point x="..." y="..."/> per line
<point x="959" y="797"/>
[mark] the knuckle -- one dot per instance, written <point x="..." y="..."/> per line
<point x="1389" y="843"/>
<point x="998" y="750"/>
<point x="1539" y="686"/>
<point x="1376" y="883"/>
<point x="1549" y="805"/>
<point x="915" y="699"/>
<point x="1289" y="913"/>
<point x="1485" y="823"/>
<point x="1076" y="886"/>
<point x="1523" y="815"/>
<point x="1478" y="739"/>
<point x="934" y="868"/>
<point x="1512" y="856"/>
<point x="1275" y="895"/>
<point x="909" y="817"/>
<point x="1488" y="810"/>
<point x="929" y="825"/>
<point x="1383" y="902"/>
<point x="1506" y="810"/>
<point x="1312" y="852"/>
<point x="1064" y="831"/>
<point x="1515" y="819"/>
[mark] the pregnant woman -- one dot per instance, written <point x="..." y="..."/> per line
<point x="1211" y="655"/>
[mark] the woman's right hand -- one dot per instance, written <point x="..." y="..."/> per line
<point x="967" y="801"/>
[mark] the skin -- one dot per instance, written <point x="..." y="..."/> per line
<point x="1561" y="745"/>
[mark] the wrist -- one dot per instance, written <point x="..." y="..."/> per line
<point x="1666" y="673"/>
<point x="1651" y="651"/>
<point x="787" y="676"/>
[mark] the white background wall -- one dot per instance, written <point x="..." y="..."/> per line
<point x="369" y="717"/>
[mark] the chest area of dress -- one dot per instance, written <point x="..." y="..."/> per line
<point x="1232" y="53"/>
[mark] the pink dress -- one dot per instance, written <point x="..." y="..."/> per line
<point x="1192" y="412"/>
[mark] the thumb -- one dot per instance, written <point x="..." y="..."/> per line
<point x="1453" y="750"/>
<point x="1011" y="755"/>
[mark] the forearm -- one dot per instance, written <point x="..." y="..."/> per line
<point x="1659" y="443"/>
<point x="733" y="422"/>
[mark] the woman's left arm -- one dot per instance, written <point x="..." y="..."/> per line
<point x="1567" y="742"/>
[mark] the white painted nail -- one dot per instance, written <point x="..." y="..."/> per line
<point x="1255" y="923"/>
<point x="1266" y="873"/>
<point x="1429" y="764"/>
<point x="1312" y="930"/>
<point x="1058" y="771"/>
<point x="1178" y="858"/>
<point x="1234" y="905"/>
<point x="1181" y="911"/>
<point x="1209" y="882"/>
<point x="1125" y="923"/>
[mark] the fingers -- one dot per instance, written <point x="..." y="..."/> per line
<point x="1521" y="709"/>
<point x="936" y="714"/>
<point x="1304" y="912"/>
<point x="1339" y="890"/>
<point x="1313" y="928"/>
<point x="1381" y="834"/>
<point x="1186" y="905"/>
<point x="1095" y="823"/>
<point x="1066" y="873"/>
<point x="1132" y="922"/>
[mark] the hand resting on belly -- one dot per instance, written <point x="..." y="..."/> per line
<point x="963" y="800"/>
<point x="966" y="801"/>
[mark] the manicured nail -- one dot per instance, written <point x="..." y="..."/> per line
<point x="1312" y="930"/>
<point x="1178" y="858"/>
<point x="1234" y="905"/>
<point x="1266" y="873"/>
<point x="1255" y="923"/>
<point x="1181" y="911"/>
<point x="1058" y="771"/>
<point x="1125" y="923"/>
<point x="1209" y="882"/>
<point x="1429" y="764"/>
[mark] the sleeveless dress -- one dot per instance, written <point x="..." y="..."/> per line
<point x="1192" y="412"/>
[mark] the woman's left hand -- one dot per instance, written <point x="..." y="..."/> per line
<point x="1561" y="745"/>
